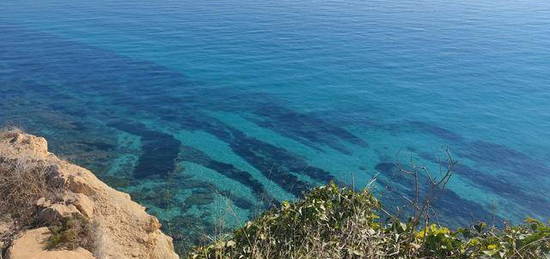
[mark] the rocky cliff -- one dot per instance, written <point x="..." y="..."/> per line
<point x="50" y="208"/>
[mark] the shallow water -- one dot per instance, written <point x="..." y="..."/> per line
<point x="208" y="113"/>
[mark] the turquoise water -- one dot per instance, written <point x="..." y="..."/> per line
<point x="209" y="112"/>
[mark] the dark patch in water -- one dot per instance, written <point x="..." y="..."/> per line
<point x="190" y="183"/>
<point x="160" y="150"/>
<point x="273" y="162"/>
<point x="165" y="195"/>
<point x="386" y="167"/>
<point x="449" y="207"/>
<point x="500" y="185"/>
<point x="276" y="163"/>
<point x="160" y="197"/>
<point x="199" y="197"/>
<point x="452" y="206"/>
<point x="304" y="128"/>
<point x="269" y="168"/>
<point x="276" y="155"/>
<point x="99" y="145"/>
<point x="73" y="111"/>
<point x="196" y="156"/>
<point x="198" y="230"/>
<point x="436" y="130"/>
<point x="504" y="157"/>
<point x="116" y="182"/>
<point x="486" y="151"/>
<point x="393" y="171"/>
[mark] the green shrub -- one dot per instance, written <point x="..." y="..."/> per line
<point x="71" y="232"/>
<point x="333" y="222"/>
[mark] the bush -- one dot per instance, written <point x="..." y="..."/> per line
<point x="333" y="222"/>
<point x="24" y="179"/>
<point x="22" y="183"/>
<point x="71" y="232"/>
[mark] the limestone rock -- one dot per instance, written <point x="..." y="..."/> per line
<point x="122" y="228"/>
<point x="32" y="245"/>
<point x="57" y="211"/>
<point x="84" y="205"/>
<point x="43" y="203"/>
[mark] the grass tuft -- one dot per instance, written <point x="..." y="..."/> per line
<point x="70" y="233"/>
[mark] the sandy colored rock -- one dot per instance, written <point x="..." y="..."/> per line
<point x="84" y="205"/>
<point x="43" y="203"/>
<point x="32" y="245"/>
<point x="122" y="228"/>
<point x="56" y="212"/>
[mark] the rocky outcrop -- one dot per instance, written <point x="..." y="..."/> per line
<point x="30" y="246"/>
<point x="121" y="227"/>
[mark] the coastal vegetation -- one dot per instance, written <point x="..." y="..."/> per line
<point x="71" y="232"/>
<point x="23" y="180"/>
<point x="331" y="221"/>
<point x="26" y="182"/>
<point x="335" y="222"/>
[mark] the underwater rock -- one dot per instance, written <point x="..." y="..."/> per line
<point x="304" y="128"/>
<point x="196" y="156"/>
<point x="160" y="150"/>
<point x="436" y="130"/>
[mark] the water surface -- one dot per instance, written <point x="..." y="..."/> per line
<point x="209" y="112"/>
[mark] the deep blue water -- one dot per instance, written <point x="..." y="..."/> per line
<point x="210" y="112"/>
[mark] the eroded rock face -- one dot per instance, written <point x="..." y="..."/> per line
<point x="122" y="228"/>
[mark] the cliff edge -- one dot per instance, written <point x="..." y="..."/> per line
<point x="50" y="208"/>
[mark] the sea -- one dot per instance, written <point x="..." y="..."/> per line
<point x="210" y="112"/>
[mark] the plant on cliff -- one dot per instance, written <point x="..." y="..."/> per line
<point x="20" y="184"/>
<point x="23" y="180"/>
<point x="334" y="222"/>
<point x="71" y="232"/>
